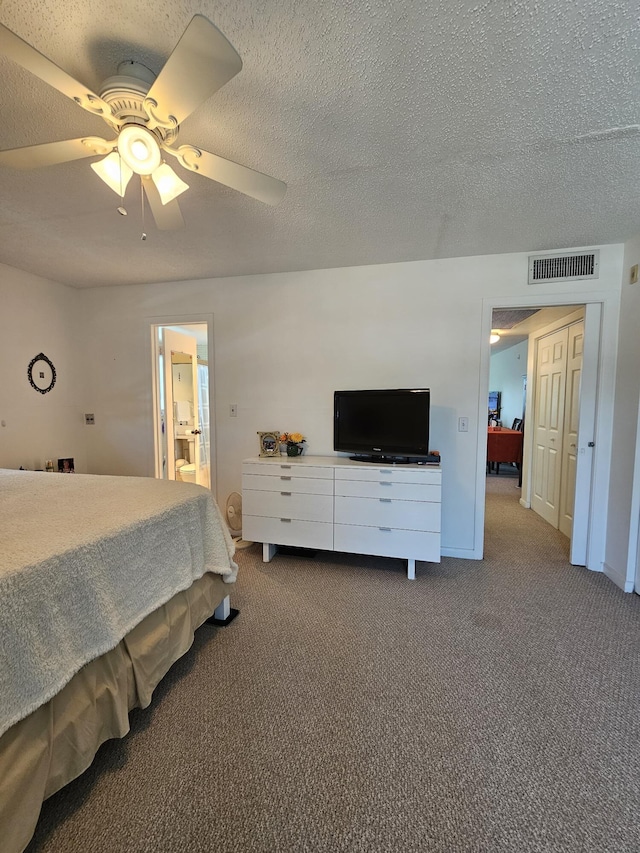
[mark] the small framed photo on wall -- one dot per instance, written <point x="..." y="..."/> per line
<point x="269" y="443"/>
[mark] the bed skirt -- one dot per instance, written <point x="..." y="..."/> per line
<point x="57" y="742"/>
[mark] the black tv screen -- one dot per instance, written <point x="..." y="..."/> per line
<point x="375" y="425"/>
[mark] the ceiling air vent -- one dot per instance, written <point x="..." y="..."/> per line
<point x="563" y="267"/>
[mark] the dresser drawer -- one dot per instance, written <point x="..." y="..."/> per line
<point x="276" y="531"/>
<point x="286" y="483"/>
<point x="384" y="512"/>
<point x="406" y="544"/>
<point x="388" y="489"/>
<point x="291" y="469"/>
<point x="288" y="504"/>
<point x="396" y="474"/>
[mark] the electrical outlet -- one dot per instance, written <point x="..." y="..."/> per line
<point x="463" y="424"/>
<point x="90" y="419"/>
<point x="633" y="276"/>
<point x="233" y="410"/>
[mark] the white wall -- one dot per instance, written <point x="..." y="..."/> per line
<point x="625" y="429"/>
<point x="508" y="367"/>
<point x="39" y="316"/>
<point x="283" y="343"/>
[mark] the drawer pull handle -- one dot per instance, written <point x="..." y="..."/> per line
<point x="385" y="529"/>
<point x="285" y="478"/>
<point x="385" y="500"/>
<point x="385" y="471"/>
<point x="286" y="520"/>
<point x="286" y="467"/>
<point x="385" y="483"/>
<point x="286" y="494"/>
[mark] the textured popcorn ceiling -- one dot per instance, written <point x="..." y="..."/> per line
<point x="405" y="130"/>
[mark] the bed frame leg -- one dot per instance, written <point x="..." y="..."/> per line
<point x="223" y="614"/>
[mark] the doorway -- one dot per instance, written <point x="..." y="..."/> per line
<point x="548" y="342"/>
<point x="182" y="402"/>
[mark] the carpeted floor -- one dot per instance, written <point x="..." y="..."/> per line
<point x="487" y="706"/>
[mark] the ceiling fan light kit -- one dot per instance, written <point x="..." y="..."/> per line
<point x="139" y="149"/>
<point x="168" y="184"/>
<point x="145" y="111"/>
<point x="114" y="172"/>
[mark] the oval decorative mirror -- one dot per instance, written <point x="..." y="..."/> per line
<point x="41" y="373"/>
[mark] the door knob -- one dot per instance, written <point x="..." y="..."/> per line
<point x="196" y="432"/>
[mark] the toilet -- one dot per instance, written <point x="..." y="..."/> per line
<point x="188" y="473"/>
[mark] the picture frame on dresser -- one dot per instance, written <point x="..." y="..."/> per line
<point x="269" y="443"/>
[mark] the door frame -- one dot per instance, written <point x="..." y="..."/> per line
<point x="599" y="385"/>
<point x="151" y="324"/>
<point x="632" y="581"/>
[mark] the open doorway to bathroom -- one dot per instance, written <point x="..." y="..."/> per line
<point x="182" y="412"/>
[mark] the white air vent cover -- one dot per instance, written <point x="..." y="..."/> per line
<point x="563" y="267"/>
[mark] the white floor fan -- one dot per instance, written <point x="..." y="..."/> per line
<point x="233" y="514"/>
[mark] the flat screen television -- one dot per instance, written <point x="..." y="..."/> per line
<point x="391" y="425"/>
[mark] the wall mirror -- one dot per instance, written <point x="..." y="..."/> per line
<point x="41" y="373"/>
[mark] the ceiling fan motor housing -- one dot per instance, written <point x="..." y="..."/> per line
<point x="125" y="93"/>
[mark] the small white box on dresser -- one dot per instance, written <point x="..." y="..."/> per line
<point x="334" y="503"/>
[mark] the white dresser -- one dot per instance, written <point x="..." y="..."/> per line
<point x="333" y="503"/>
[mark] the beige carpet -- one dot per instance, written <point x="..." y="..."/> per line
<point x="487" y="706"/>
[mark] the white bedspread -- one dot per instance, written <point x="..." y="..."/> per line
<point x="83" y="558"/>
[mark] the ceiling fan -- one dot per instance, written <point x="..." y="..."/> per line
<point x="145" y="112"/>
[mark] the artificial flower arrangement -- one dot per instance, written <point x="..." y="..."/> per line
<point x="293" y="442"/>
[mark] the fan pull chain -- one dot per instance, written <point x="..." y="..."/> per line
<point x="122" y="210"/>
<point x="143" y="236"/>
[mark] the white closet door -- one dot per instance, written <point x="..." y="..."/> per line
<point x="575" y="349"/>
<point x="548" y="425"/>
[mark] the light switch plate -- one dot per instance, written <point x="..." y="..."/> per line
<point x="633" y="276"/>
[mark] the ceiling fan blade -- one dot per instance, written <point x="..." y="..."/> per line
<point x="201" y="62"/>
<point x="241" y="178"/>
<point x="28" y="57"/>
<point x="52" y="153"/>
<point x="167" y="216"/>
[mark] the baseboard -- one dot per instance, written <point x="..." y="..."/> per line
<point x="618" y="578"/>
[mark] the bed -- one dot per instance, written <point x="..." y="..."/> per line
<point x="103" y="581"/>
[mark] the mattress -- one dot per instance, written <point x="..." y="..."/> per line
<point x="84" y="559"/>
